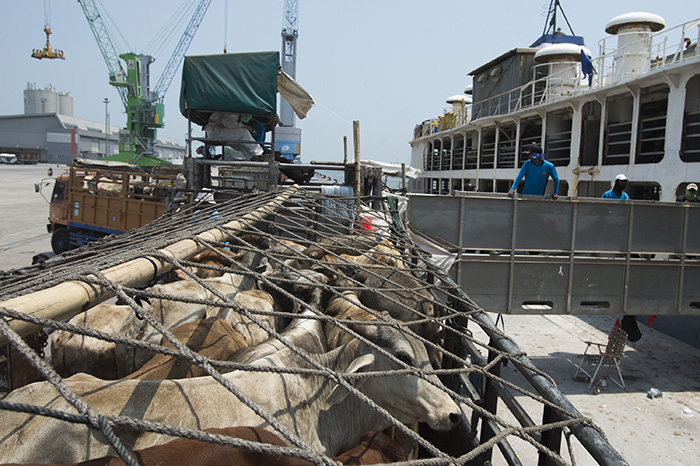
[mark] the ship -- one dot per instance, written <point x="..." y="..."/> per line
<point x="632" y="108"/>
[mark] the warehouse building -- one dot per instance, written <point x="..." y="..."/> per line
<point x="48" y="132"/>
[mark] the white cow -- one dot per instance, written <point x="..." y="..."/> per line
<point x="252" y="300"/>
<point x="171" y="313"/>
<point x="302" y="333"/>
<point x="318" y="411"/>
<point x="72" y="353"/>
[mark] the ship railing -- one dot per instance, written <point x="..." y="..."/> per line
<point x="650" y="53"/>
<point x="552" y="82"/>
<point x="614" y="65"/>
<point x="449" y="120"/>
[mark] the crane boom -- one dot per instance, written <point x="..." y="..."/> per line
<point x="169" y="72"/>
<point x="104" y="42"/>
<point x="289" y="54"/>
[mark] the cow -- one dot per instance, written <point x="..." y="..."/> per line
<point x="346" y="306"/>
<point x="212" y="338"/>
<point x="170" y="313"/>
<point x="217" y="257"/>
<point x="303" y="333"/>
<point x="320" y="412"/>
<point x="252" y="300"/>
<point x="72" y="352"/>
<point x="305" y="285"/>
<point x="402" y="295"/>
<point x="188" y="452"/>
<point x="374" y="447"/>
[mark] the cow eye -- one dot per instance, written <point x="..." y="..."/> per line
<point x="404" y="357"/>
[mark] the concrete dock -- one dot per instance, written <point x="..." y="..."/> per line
<point x="658" y="431"/>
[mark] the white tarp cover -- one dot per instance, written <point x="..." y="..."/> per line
<point x="442" y="257"/>
<point x="391" y="169"/>
<point x="300" y="100"/>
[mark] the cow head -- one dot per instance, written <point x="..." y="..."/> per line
<point x="408" y="398"/>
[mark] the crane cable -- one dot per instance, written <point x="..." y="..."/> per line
<point x="225" y="24"/>
<point x="164" y="36"/>
<point x="113" y="30"/>
<point x="47" y="13"/>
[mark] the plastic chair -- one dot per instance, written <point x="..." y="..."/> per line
<point x="608" y="355"/>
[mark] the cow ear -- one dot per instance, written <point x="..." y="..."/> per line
<point x="363" y="363"/>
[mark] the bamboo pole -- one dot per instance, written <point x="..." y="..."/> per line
<point x="69" y="298"/>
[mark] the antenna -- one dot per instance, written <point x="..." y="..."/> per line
<point x="550" y="24"/>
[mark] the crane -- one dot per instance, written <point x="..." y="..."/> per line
<point x="289" y="54"/>
<point x="144" y="109"/>
<point x="47" y="51"/>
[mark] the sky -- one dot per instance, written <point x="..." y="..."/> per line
<point x="387" y="64"/>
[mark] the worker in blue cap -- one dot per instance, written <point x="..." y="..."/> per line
<point x="536" y="172"/>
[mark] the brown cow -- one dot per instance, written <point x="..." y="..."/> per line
<point x="374" y="448"/>
<point x="213" y="338"/>
<point x="197" y="453"/>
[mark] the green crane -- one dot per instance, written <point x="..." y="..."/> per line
<point x="144" y="109"/>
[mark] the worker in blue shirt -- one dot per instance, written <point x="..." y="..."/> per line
<point x="617" y="192"/>
<point x="536" y="172"/>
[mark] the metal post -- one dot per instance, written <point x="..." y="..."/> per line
<point x="550" y="438"/>
<point x="345" y="149"/>
<point x="356" y="140"/>
<point x="404" y="188"/>
<point x="106" y="102"/>
<point x="490" y="405"/>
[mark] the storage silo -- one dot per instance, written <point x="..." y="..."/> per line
<point x="65" y="104"/>
<point x="37" y="101"/>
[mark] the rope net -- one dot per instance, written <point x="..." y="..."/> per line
<point x="313" y="254"/>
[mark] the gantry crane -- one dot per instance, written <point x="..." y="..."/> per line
<point x="289" y="55"/>
<point x="47" y="51"/>
<point x="144" y="109"/>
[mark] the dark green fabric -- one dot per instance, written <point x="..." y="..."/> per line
<point x="143" y="161"/>
<point x="234" y="82"/>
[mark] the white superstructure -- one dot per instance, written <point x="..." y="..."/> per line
<point x="640" y="115"/>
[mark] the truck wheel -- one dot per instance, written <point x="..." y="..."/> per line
<point x="60" y="240"/>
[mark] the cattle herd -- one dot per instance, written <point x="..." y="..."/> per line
<point x="322" y="347"/>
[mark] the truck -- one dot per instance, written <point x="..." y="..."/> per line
<point x="93" y="199"/>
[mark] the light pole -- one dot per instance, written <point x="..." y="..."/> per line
<point x="106" y="102"/>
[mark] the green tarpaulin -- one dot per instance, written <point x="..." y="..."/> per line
<point x="235" y="82"/>
<point x="143" y="161"/>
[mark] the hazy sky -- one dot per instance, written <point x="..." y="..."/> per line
<point x="388" y="64"/>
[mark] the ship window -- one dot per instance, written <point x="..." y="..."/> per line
<point x="435" y="155"/>
<point x="590" y="133"/>
<point x="618" y="131"/>
<point x="563" y="188"/>
<point x="471" y="151"/>
<point x="651" y="133"/>
<point x="446" y="154"/>
<point x="592" y="188"/>
<point x="506" y="145"/>
<point x="647" y="191"/>
<point x="488" y="147"/>
<point x="503" y="186"/>
<point x="690" y="141"/>
<point x="558" y="142"/>
<point x="444" y="186"/>
<point x="458" y="152"/>
<point x="530" y="133"/>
